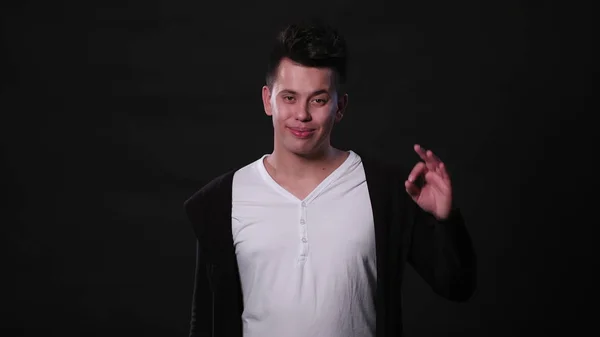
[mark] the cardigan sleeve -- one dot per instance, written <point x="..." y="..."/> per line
<point x="201" y="315"/>
<point x="201" y="323"/>
<point x="442" y="253"/>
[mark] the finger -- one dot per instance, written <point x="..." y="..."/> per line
<point x="427" y="156"/>
<point x="412" y="189"/>
<point x="422" y="152"/>
<point x="443" y="171"/>
<point x="419" y="169"/>
<point x="431" y="160"/>
<point x="436" y="180"/>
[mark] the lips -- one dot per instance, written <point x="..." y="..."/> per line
<point x="301" y="132"/>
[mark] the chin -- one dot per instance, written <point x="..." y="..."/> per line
<point x="307" y="150"/>
<point x="301" y="151"/>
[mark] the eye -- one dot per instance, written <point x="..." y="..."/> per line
<point x="321" y="100"/>
<point x="288" y="98"/>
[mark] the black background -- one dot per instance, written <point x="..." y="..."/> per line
<point x="114" y="112"/>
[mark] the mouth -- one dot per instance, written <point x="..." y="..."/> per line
<point x="301" y="132"/>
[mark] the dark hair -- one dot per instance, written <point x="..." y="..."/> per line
<point x="311" y="43"/>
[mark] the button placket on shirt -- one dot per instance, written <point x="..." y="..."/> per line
<point x="303" y="231"/>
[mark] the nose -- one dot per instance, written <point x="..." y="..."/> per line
<point x="302" y="113"/>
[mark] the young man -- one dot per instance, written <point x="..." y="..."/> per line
<point x="310" y="240"/>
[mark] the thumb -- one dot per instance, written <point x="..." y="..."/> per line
<point x="412" y="189"/>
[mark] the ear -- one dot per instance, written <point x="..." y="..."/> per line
<point x="341" y="109"/>
<point x="266" y="98"/>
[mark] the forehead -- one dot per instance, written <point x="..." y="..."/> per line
<point x="293" y="76"/>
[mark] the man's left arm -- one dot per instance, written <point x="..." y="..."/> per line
<point x="442" y="253"/>
<point x="441" y="249"/>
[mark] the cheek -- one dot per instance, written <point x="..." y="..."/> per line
<point x="277" y="117"/>
<point x="280" y="112"/>
<point x="327" y="118"/>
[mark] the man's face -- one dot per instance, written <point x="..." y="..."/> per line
<point x="304" y="105"/>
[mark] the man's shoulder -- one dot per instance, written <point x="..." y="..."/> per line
<point x="208" y="206"/>
<point x="217" y="189"/>
<point x="213" y="188"/>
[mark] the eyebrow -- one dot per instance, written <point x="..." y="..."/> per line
<point x="292" y="92"/>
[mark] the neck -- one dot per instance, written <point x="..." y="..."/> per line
<point x="302" y="166"/>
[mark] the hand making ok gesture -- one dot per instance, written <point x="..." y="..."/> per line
<point x="435" y="196"/>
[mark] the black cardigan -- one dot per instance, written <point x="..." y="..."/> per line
<point x="441" y="252"/>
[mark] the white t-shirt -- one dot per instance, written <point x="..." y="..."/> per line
<point x="307" y="267"/>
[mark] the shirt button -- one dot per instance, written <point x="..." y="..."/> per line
<point x="302" y="221"/>
<point x="304" y="240"/>
<point x="303" y="204"/>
